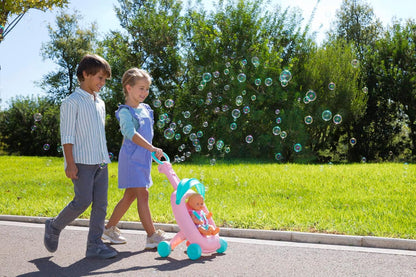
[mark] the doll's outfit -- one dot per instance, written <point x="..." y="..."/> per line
<point x="200" y="215"/>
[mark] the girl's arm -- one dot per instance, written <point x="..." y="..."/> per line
<point x="141" y="141"/>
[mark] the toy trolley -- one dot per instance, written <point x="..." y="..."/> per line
<point x="195" y="241"/>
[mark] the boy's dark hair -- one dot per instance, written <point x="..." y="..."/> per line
<point x="91" y="64"/>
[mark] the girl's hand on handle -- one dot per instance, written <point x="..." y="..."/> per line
<point x="158" y="152"/>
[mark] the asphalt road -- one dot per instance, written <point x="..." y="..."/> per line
<point x="22" y="254"/>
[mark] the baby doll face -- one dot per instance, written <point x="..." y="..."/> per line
<point x="196" y="202"/>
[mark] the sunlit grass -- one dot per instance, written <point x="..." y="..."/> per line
<point x="356" y="199"/>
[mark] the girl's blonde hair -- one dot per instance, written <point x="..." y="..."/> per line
<point x="133" y="75"/>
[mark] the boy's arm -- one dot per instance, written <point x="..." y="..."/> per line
<point x="71" y="169"/>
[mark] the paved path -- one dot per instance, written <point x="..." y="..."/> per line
<point x="22" y="254"/>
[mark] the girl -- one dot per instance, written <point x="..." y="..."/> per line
<point x="136" y="125"/>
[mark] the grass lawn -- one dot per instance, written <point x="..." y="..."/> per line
<point x="354" y="199"/>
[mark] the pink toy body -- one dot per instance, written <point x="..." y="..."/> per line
<point x="188" y="230"/>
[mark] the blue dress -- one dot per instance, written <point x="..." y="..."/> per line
<point x="135" y="162"/>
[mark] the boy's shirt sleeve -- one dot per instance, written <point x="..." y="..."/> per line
<point x="127" y="127"/>
<point x="68" y="117"/>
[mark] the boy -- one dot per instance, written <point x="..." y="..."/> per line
<point x="86" y="157"/>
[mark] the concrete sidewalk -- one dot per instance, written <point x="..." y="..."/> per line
<point x="362" y="241"/>
<point x="22" y="253"/>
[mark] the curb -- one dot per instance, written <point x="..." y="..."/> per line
<point x="318" y="238"/>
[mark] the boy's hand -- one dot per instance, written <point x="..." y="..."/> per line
<point x="71" y="171"/>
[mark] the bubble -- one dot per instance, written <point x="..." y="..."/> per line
<point x="278" y="120"/>
<point x="227" y="149"/>
<point x="211" y="141"/>
<point x="169" y="133"/>
<point x="311" y="95"/>
<point x="206" y="76"/>
<point x="205" y="124"/>
<point x="33" y="128"/>
<point x="157" y="103"/>
<point x="110" y="156"/>
<point x="308" y="119"/>
<point x="355" y="63"/>
<point x="173" y="126"/>
<point x="102" y="165"/>
<point x="59" y="149"/>
<point x="226" y="71"/>
<point x="199" y="134"/>
<point x="37" y="116"/>
<point x="160" y="123"/>
<point x="192" y="137"/>
<point x="284" y="83"/>
<point x="277" y="111"/>
<point x="331" y="86"/>
<point x="178" y="136"/>
<point x="278" y="156"/>
<point x="249" y="139"/>
<point x="216" y="74"/>
<point x="236" y="113"/>
<point x="365" y="90"/>
<point x="227" y="64"/>
<point x="353" y="141"/>
<point x="212" y="161"/>
<point x="227" y="87"/>
<point x="201" y="87"/>
<point x="306" y="100"/>
<point x="363" y="159"/>
<point x="337" y="119"/>
<point x="268" y="82"/>
<point x="253" y="97"/>
<point x="257" y="82"/>
<point x="285" y="76"/>
<point x="225" y="108"/>
<point x="243" y="62"/>
<point x="46" y="147"/>
<point x="283" y="134"/>
<point x="233" y="126"/>
<point x="169" y="103"/>
<point x="186" y="114"/>
<point x="243" y="92"/>
<point x="276" y="130"/>
<point x="220" y="144"/>
<point x="246" y="109"/>
<point x="208" y="101"/>
<point x="187" y="129"/>
<point x="326" y="115"/>
<point x="241" y="77"/>
<point x="255" y="61"/>
<point x="239" y="100"/>
<point x="297" y="147"/>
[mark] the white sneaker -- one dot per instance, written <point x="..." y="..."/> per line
<point x="113" y="235"/>
<point x="153" y="241"/>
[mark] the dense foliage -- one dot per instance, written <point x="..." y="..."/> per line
<point x="248" y="80"/>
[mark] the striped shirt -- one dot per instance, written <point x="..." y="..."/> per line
<point x="82" y="121"/>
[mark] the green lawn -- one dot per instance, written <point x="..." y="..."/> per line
<point x="356" y="199"/>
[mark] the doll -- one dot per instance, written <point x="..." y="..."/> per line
<point x="199" y="217"/>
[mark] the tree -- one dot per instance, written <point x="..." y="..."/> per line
<point x="18" y="8"/>
<point x="356" y="23"/>
<point x="339" y="103"/>
<point x="67" y="46"/>
<point x="151" y="41"/>
<point x="30" y="127"/>
<point x="392" y="83"/>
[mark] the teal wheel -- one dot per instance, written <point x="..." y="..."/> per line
<point x="194" y="251"/>
<point x="223" y="246"/>
<point x="163" y="249"/>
